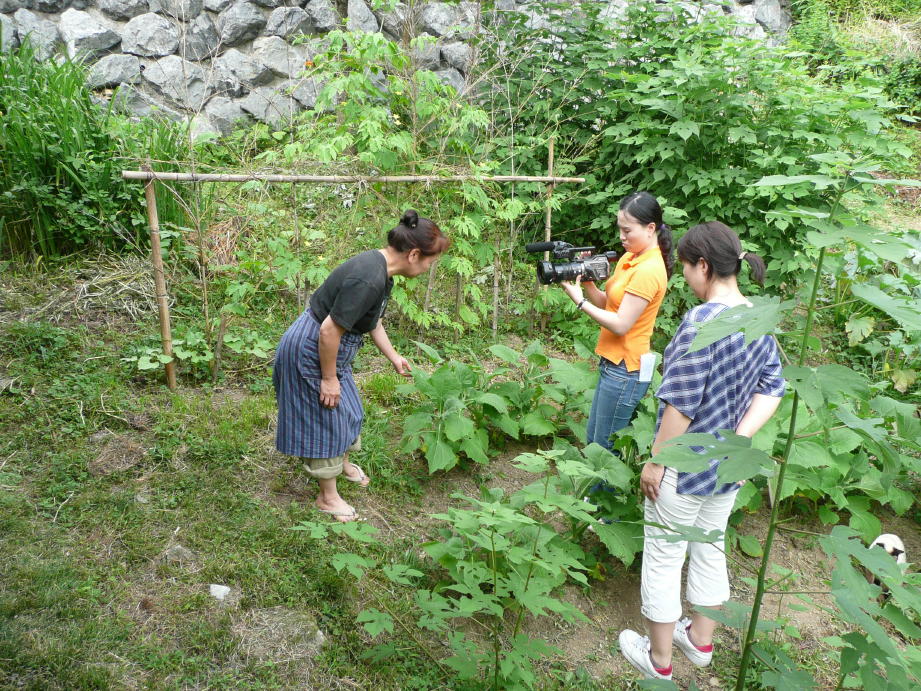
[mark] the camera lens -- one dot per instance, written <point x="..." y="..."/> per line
<point x="546" y="272"/>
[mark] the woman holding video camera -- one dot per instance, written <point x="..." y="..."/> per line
<point x="730" y="384"/>
<point x="626" y="312"/>
<point x="319" y="410"/>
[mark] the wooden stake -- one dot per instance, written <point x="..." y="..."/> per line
<point x="160" y="281"/>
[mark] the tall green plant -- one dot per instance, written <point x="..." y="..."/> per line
<point x="499" y="563"/>
<point x="61" y="156"/>
<point x="681" y="106"/>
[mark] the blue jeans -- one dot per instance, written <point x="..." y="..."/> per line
<point x="616" y="398"/>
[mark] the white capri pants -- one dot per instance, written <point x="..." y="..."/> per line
<point x="708" y="579"/>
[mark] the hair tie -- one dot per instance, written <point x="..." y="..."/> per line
<point x="742" y="256"/>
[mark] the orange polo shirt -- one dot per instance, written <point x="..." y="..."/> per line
<point x="644" y="276"/>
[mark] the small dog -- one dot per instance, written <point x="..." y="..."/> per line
<point x="894" y="547"/>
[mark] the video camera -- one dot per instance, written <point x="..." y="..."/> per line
<point x="594" y="268"/>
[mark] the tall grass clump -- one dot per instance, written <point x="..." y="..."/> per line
<point x="60" y="160"/>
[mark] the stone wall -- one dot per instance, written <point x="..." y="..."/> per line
<point x="222" y="63"/>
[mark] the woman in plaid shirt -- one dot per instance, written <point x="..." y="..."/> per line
<point x="726" y="385"/>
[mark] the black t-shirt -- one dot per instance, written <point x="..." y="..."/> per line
<point x="355" y="294"/>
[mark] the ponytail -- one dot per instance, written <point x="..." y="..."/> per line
<point x="664" y="234"/>
<point x="756" y="264"/>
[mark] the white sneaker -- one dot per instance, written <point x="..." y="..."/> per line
<point x="636" y="649"/>
<point x="683" y="641"/>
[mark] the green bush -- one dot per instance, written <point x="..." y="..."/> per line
<point x="60" y="160"/>
<point x="687" y="110"/>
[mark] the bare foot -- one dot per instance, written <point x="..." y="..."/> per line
<point x="338" y="509"/>
<point x="353" y="473"/>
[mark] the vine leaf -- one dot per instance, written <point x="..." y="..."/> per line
<point x="375" y="622"/>
<point x="904" y="311"/>
<point x="754" y="322"/>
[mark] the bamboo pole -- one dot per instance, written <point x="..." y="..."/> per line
<point x="265" y="177"/>
<point x="547" y="213"/>
<point x="160" y="281"/>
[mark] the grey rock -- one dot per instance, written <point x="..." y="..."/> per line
<point x="43" y="35"/>
<point x="438" y="18"/>
<point x="217" y="5"/>
<point x="201" y="128"/>
<point x="131" y="100"/>
<point x="123" y="9"/>
<point x="183" y="82"/>
<point x="9" y="40"/>
<point x="506" y="5"/>
<point x="271" y="4"/>
<point x="226" y="115"/>
<point x="150" y="35"/>
<point x="279" y="56"/>
<point x="452" y="77"/>
<point x="224" y="83"/>
<point x="113" y="70"/>
<point x="747" y="25"/>
<point x="52" y="6"/>
<point x="304" y="90"/>
<point x="426" y="56"/>
<point x="360" y="17"/>
<point x="324" y="15"/>
<point x="458" y="55"/>
<point x="269" y="106"/>
<point x="185" y="10"/>
<point x="84" y="36"/>
<point x="240" y="22"/>
<point x="200" y="39"/>
<point x="289" y="21"/>
<point x="10" y="6"/>
<point x="772" y="16"/>
<point x="243" y="68"/>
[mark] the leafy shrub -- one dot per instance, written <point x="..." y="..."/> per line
<point x="60" y="160"/>
<point x="465" y="410"/>
<point x="686" y="110"/>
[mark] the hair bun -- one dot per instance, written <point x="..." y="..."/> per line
<point x="410" y="218"/>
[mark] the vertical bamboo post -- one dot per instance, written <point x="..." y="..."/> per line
<point x="543" y="319"/>
<point x="160" y="280"/>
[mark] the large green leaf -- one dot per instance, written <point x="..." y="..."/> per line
<point x="755" y="321"/>
<point x="456" y="426"/>
<point x="623" y="540"/>
<point x="537" y="425"/>
<point x="375" y="622"/>
<point x="902" y="309"/>
<point x="440" y="456"/>
<point x="820" y="182"/>
<point x="691" y="453"/>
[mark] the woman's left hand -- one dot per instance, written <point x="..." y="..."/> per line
<point x="574" y="290"/>
<point x="401" y="365"/>
<point x="651" y="479"/>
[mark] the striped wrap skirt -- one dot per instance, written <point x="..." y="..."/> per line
<point x="306" y="428"/>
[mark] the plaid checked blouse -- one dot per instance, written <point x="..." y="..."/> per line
<point x="714" y="386"/>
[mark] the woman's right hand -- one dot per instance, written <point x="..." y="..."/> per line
<point x="330" y="392"/>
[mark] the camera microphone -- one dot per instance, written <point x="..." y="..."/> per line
<point x="539" y="246"/>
